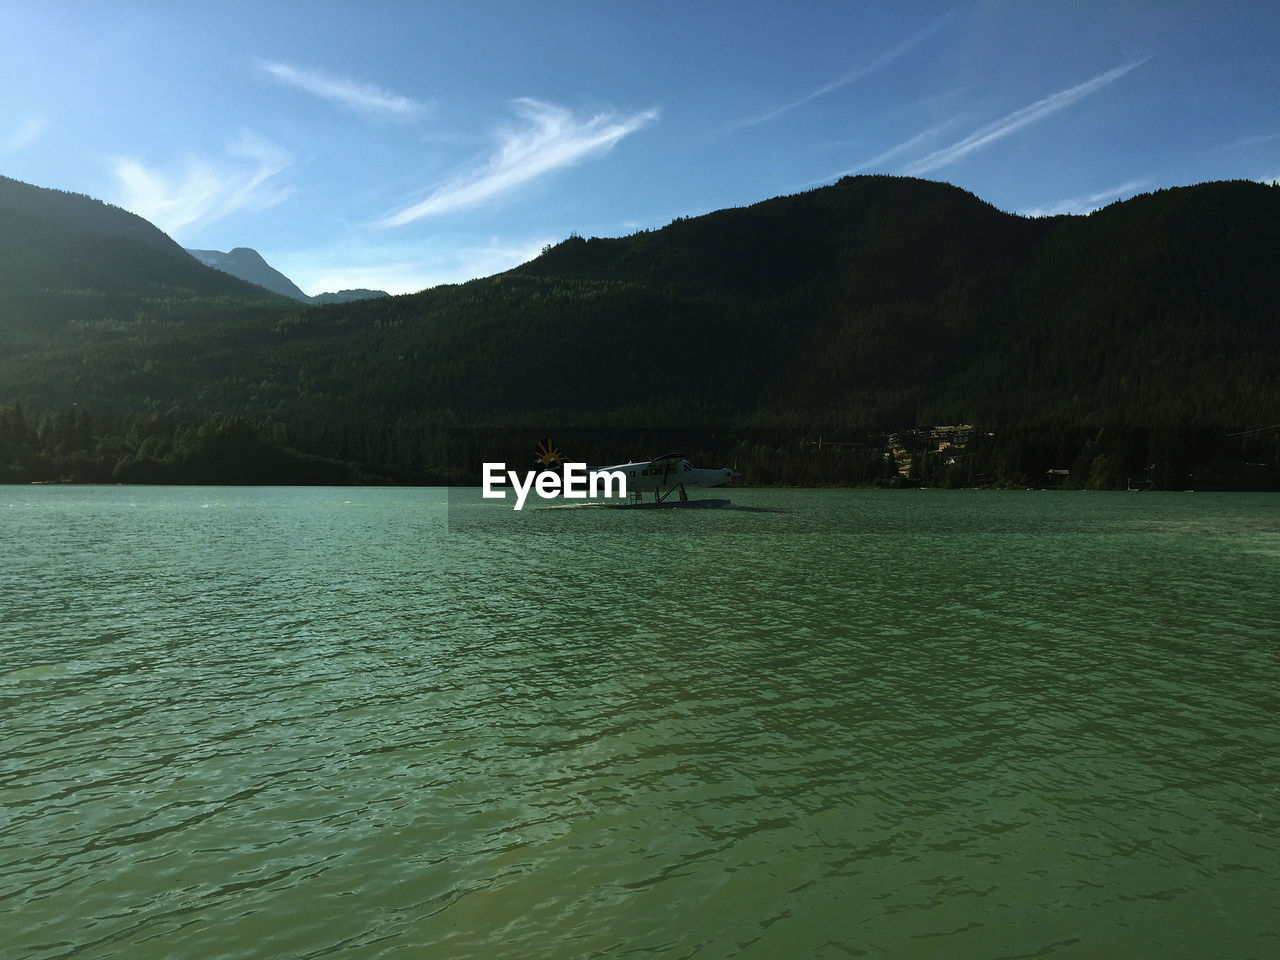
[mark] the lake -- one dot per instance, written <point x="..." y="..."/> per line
<point x="370" y="722"/>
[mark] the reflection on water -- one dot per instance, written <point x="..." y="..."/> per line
<point x="367" y="722"/>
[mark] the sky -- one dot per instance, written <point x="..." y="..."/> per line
<point x="401" y="145"/>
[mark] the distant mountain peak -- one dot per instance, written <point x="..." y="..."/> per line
<point x="248" y="264"/>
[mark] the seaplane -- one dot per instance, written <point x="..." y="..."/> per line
<point x="671" y="473"/>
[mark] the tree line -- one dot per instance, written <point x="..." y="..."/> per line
<point x="75" y="446"/>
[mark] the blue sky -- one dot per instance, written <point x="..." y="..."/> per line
<point x="402" y="145"/>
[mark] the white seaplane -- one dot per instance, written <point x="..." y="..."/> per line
<point x="672" y="473"/>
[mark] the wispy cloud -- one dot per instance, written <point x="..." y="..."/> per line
<point x="1018" y="119"/>
<point x="879" y="63"/>
<point x="207" y="189"/>
<point x="363" y="98"/>
<point x="550" y="138"/>
<point x="27" y="133"/>
<point x="1090" y="202"/>
<point x="1253" y="141"/>
<point x="879" y="160"/>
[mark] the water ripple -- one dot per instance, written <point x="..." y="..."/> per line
<point x="375" y="722"/>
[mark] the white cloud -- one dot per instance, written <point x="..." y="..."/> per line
<point x="364" y="98"/>
<point x="27" y="133"/>
<point x="207" y="189"/>
<point x="879" y="63"/>
<point x="1089" y="203"/>
<point x="1017" y="120"/>
<point x="402" y="268"/>
<point x="550" y="138"/>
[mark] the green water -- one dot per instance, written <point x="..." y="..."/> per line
<point x="393" y="723"/>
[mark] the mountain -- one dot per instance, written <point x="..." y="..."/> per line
<point x="247" y="264"/>
<point x="346" y="296"/>
<point x="1145" y="333"/>
<point x="79" y="214"/>
<point x="55" y="246"/>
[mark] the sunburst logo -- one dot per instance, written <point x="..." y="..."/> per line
<point x="548" y="454"/>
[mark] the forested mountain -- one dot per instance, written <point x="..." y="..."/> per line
<point x="67" y="260"/>
<point x="1129" y="342"/>
<point x="77" y="214"/>
<point x="248" y="264"/>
